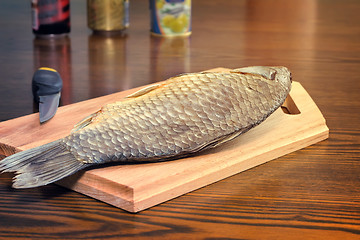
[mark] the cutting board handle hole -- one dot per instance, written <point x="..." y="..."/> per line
<point x="289" y="106"/>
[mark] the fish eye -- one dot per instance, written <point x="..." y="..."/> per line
<point x="273" y="75"/>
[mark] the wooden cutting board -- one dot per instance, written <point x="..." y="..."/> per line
<point x="296" y="125"/>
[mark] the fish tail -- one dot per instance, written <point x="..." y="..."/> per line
<point x="41" y="165"/>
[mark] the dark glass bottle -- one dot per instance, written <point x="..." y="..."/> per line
<point x="50" y="17"/>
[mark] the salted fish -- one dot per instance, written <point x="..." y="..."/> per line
<point x="168" y="120"/>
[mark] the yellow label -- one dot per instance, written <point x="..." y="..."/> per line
<point x="171" y="17"/>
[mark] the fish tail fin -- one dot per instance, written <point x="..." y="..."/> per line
<point x="41" y="165"/>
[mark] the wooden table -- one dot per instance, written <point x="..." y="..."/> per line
<point x="313" y="193"/>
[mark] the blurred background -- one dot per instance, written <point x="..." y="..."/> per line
<point x="238" y="33"/>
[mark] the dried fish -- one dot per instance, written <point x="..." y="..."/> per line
<point x="171" y="119"/>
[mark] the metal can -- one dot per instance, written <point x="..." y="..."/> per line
<point x="108" y="15"/>
<point x="50" y="17"/>
<point x="170" y="17"/>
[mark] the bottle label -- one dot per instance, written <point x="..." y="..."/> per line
<point x="49" y="11"/>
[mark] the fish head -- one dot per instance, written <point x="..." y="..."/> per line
<point x="282" y="76"/>
<point x="279" y="74"/>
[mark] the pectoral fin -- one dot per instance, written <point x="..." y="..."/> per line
<point x="229" y="137"/>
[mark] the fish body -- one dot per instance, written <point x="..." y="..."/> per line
<point x="171" y="119"/>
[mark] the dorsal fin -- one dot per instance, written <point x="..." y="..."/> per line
<point x="85" y="122"/>
<point x="144" y="90"/>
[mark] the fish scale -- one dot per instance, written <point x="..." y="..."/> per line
<point x="172" y="119"/>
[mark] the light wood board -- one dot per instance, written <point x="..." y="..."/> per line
<point x="140" y="186"/>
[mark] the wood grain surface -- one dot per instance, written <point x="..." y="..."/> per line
<point x="313" y="193"/>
